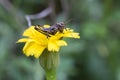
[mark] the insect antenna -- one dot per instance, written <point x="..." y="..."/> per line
<point x="68" y="21"/>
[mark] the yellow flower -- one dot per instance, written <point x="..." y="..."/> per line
<point x="36" y="42"/>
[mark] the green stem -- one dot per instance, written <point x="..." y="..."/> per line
<point x="49" y="62"/>
<point x="51" y="74"/>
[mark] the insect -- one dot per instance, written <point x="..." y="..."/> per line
<point x="58" y="27"/>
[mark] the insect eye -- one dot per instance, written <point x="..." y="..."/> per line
<point x="61" y="24"/>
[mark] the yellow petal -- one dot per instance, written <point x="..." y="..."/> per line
<point x="52" y="46"/>
<point x="70" y="33"/>
<point x="22" y="40"/>
<point x="57" y="36"/>
<point x="29" y="31"/>
<point x="73" y="35"/>
<point x="33" y="49"/>
<point x="61" y="43"/>
<point x="34" y="34"/>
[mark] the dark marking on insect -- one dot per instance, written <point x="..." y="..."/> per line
<point x="52" y="30"/>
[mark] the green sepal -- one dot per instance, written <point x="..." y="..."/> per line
<point x="49" y="60"/>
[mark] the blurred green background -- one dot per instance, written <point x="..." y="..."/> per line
<point x="95" y="56"/>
